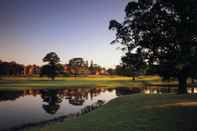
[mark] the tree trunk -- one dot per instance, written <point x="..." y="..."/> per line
<point x="192" y="80"/>
<point x="133" y="78"/>
<point x="52" y="78"/>
<point x="192" y="86"/>
<point x="192" y="90"/>
<point x="182" y="84"/>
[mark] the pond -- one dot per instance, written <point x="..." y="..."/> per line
<point x="33" y="106"/>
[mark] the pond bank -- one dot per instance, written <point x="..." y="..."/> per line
<point x="33" y="106"/>
<point x="41" y="124"/>
<point x="137" y="113"/>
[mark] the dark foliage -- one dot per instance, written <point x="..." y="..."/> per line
<point x="11" y="69"/>
<point x="162" y="33"/>
<point x="52" y="99"/>
<point x="78" y="66"/>
<point x="53" y="68"/>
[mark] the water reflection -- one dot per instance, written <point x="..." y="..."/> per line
<point x="145" y="90"/>
<point x="127" y="91"/>
<point x="159" y="90"/>
<point x="52" y="99"/>
<point x="10" y="95"/>
<point x="192" y="90"/>
<point x="78" y="96"/>
<point x="162" y="90"/>
<point x="75" y="97"/>
<point x="30" y="106"/>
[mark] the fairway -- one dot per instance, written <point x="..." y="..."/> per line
<point x="17" y="83"/>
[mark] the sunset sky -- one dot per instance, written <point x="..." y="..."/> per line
<point x="72" y="28"/>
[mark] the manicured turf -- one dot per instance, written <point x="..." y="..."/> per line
<point x="136" y="113"/>
<point x="19" y="83"/>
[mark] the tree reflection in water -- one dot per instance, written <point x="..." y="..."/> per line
<point x="127" y="91"/>
<point x="10" y="95"/>
<point x="53" y="98"/>
<point x="75" y="97"/>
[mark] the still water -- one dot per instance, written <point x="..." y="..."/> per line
<point x="32" y="106"/>
<point x="29" y="106"/>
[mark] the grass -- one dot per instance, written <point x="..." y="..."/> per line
<point x="136" y="113"/>
<point x="127" y="113"/>
<point x="20" y="83"/>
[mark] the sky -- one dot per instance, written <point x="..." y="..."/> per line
<point x="29" y="29"/>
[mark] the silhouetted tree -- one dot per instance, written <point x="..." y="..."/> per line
<point x="78" y="66"/>
<point x="164" y="33"/>
<point x="52" y="69"/>
<point x="95" y="68"/>
<point x="132" y="64"/>
<point x="111" y="71"/>
<point x="123" y="70"/>
<point x="11" y="69"/>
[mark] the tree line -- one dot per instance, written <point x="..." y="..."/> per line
<point x="52" y="68"/>
<point x="11" y="69"/>
<point x="75" y="67"/>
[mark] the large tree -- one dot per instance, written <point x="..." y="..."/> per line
<point x="162" y="33"/>
<point x="52" y="69"/>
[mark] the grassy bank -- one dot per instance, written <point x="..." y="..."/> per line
<point x="136" y="113"/>
<point x="63" y="82"/>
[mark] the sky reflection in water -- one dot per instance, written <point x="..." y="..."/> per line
<point x="32" y="106"/>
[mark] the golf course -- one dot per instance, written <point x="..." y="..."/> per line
<point x="136" y="112"/>
<point x="17" y="83"/>
<point x="98" y="65"/>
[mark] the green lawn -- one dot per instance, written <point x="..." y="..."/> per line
<point x="136" y="113"/>
<point x="18" y="83"/>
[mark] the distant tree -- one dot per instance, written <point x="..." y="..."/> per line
<point x="11" y="69"/>
<point x="164" y="33"/>
<point x="15" y="69"/>
<point x="52" y="58"/>
<point x="132" y="64"/>
<point x="78" y="66"/>
<point x="123" y="70"/>
<point x="52" y="69"/>
<point x="111" y="71"/>
<point x="95" y="68"/>
<point x="60" y="68"/>
<point x="4" y="68"/>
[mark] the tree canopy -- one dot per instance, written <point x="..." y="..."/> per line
<point x="163" y="33"/>
<point x="78" y="66"/>
<point x="53" y="68"/>
<point x="11" y="69"/>
<point x="52" y="58"/>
